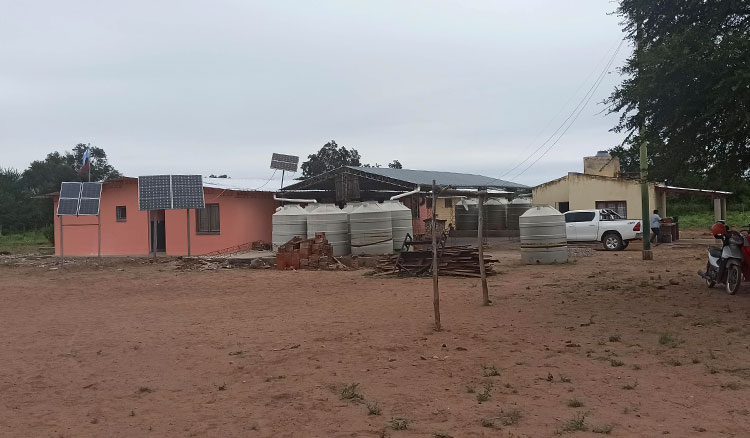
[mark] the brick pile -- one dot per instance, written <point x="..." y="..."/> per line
<point x="299" y="253"/>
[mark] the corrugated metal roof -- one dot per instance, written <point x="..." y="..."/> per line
<point x="453" y="179"/>
<point x="242" y="184"/>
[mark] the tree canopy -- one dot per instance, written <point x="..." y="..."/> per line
<point x="18" y="190"/>
<point x="331" y="157"/>
<point x="690" y="84"/>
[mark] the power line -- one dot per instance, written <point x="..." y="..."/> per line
<point x="266" y="183"/>
<point x="588" y="96"/>
<point x="563" y="107"/>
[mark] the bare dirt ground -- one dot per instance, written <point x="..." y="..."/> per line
<point x="607" y="344"/>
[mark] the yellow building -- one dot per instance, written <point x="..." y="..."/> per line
<point x="601" y="185"/>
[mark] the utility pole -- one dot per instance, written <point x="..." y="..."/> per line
<point x="645" y="225"/>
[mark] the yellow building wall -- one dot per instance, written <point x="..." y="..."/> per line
<point x="586" y="190"/>
<point x="551" y="193"/>
<point x="447" y="213"/>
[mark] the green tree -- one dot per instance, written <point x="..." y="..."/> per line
<point x="329" y="157"/>
<point x="11" y="200"/>
<point x="395" y="164"/>
<point x="690" y="85"/>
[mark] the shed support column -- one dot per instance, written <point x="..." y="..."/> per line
<point x="663" y="204"/>
<point x="723" y="209"/>
<point x="717" y="209"/>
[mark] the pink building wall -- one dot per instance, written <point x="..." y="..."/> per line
<point x="244" y="217"/>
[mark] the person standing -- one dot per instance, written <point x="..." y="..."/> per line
<point x="655" y="226"/>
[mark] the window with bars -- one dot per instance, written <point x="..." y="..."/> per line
<point x="121" y="213"/>
<point x="619" y="207"/>
<point x="207" y="219"/>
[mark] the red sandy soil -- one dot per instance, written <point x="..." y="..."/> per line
<point x="145" y="350"/>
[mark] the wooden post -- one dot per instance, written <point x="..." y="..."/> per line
<point x="62" y="247"/>
<point x="435" y="290"/>
<point x="480" y="243"/>
<point x="153" y="237"/>
<point x="99" y="235"/>
<point x="188" y="229"/>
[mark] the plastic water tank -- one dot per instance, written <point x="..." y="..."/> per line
<point x="312" y="206"/>
<point x="516" y="208"/>
<point x="401" y="222"/>
<point x="467" y="214"/>
<point x="350" y="206"/>
<point x="371" y="231"/>
<point x="543" y="237"/>
<point x="288" y="221"/>
<point x="496" y="210"/>
<point x="329" y="219"/>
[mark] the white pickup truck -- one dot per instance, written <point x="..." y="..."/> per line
<point x="604" y="226"/>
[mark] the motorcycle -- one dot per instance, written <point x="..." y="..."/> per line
<point x="730" y="263"/>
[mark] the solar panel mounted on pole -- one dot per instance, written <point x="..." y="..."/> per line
<point x="79" y="199"/>
<point x="284" y="163"/>
<point x="170" y="192"/>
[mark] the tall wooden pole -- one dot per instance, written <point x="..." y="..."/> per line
<point x="645" y="225"/>
<point x="435" y="290"/>
<point x="480" y="243"/>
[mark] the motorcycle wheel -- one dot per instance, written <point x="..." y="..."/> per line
<point x="709" y="282"/>
<point x="734" y="279"/>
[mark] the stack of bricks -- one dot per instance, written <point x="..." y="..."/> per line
<point x="301" y="253"/>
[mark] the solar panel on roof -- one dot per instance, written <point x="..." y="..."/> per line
<point x="91" y="190"/>
<point x="67" y="207"/>
<point x="88" y="207"/>
<point x="187" y="191"/>
<point x="70" y="190"/>
<point x="154" y="192"/>
<point x="284" y="162"/>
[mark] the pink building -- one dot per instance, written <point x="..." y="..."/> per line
<point x="235" y="214"/>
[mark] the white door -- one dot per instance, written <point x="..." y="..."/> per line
<point x="570" y="226"/>
<point x="586" y="227"/>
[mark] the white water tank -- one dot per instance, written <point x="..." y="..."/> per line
<point x="516" y="208"/>
<point x="329" y="219"/>
<point x="543" y="237"/>
<point x="401" y="222"/>
<point x="350" y="206"/>
<point x="311" y="206"/>
<point x="288" y="221"/>
<point x="371" y="231"/>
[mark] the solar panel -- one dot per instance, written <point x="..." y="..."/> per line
<point x="67" y="207"/>
<point x="187" y="191"/>
<point x="154" y="192"/>
<point x="70" y="190"/>
<point x="91" y="190"/>
<point x="284" y="162"/>
<point x="88" y="207"/>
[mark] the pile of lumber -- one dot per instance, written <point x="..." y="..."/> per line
<point x="301" y="253"/>
<point x="452" y="260"/>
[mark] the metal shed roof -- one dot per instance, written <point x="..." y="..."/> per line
<point x="384" y="178"/>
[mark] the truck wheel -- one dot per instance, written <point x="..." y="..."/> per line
<point x="612" y="242"/>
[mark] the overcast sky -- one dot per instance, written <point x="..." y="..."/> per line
<point x="216" y="87"/>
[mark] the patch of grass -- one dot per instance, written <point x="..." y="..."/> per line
<point x="510" y="417"/>
<point x="564" y="379"/>
<point x="699" y="428"/>
<point x="636" y="367"/>
<point x="614" y="338"/>
<point x="441" y="435"/>
<point x="373" y="408"/>
<point x="605" y="429"/>
<point x="222" y="387"/>
<point x="677" y="315"/>
<point x="575" y="424"/>
<point x="734" y="386"/>
<point x="145" y="390"/>
<point x="351" y="392"/>
<point x="488" y="422"/>
<point x="470" y="389"/>
<point x="399" y="423"/>
<point x="575" y="403"/>
<point x="630" y="386"/>
<point x="272" y="378"/>
<point x="490" y="371"/>
<point x="486" y="394"/>
<point x="550" y="377"/>
<point x="696" y="360"/>
<point x="672" y="361"/>
<point x="616" y="363"/>
<point x="26" y="242"/>
<point x="668" y="339"/>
